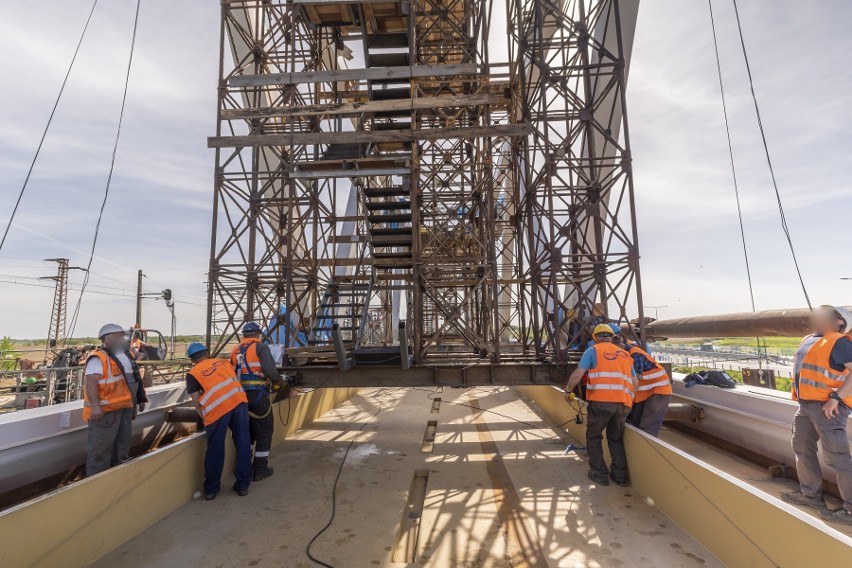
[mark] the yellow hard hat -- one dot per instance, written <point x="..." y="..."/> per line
<point x="602" y="328"/>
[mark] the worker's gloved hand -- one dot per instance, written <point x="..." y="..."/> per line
<point x="280" y="392"/>
<point x="569" y="396"/>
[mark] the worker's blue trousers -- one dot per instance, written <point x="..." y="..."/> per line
<point x="214" y="460"/>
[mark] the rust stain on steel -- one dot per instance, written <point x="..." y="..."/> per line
<point x="524" y="548"/>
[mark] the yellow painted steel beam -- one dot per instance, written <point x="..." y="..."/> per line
<point x="76" y="525"/>
<point x="739" y="524"/>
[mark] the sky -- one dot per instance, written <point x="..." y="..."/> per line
<point x="159" y="212"/>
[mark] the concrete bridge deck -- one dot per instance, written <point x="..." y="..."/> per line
<point x="498" y="493"/>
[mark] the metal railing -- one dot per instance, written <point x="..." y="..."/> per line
<point x="33" y="388"/>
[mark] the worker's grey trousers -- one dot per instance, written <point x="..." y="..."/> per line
<point x="609" y="417"/>
<point x="109" y="441"/>
<point x="649" y="414"/>
<point x="811" y="425"/>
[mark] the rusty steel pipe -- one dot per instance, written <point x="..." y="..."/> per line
<point x="768" y="323"/>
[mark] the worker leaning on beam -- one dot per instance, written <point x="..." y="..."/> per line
<point x="653" y="394"/>
<point x="609" y="393"/>
<point x="221" y="402"/>
<point x="113" y="395"/>
<point x="258" y="375"/>
<point x="822" y="367"/>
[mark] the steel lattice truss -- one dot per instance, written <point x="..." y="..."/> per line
<point x="374" y="166"/>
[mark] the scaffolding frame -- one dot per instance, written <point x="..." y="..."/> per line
<point x="489" y="206"/>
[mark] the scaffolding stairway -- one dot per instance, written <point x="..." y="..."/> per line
<point x="344" y="307"/>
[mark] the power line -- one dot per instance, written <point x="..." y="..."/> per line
<point x="784" y="226"/>
<point x="154" y="282"/>
<point x="731" y="154"/>
<point x="47" y="126"/>
<point x="111" y="278"/>
<point x="70" y="287"/>
<point x="73" y="324"/>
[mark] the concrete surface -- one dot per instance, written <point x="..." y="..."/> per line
<point x="499" y="493"/>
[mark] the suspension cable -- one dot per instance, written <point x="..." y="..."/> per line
<point x="47" y="126"/>
<point x="73" y="324"/>
<point x="733" y="170"/>
<point x="784" y="226"/>
<point x="731" y="154"/>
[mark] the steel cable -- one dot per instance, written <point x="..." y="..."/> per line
<point x="47" y="126"/>
<point x="784" y="226"/>
<point x="73" y="324"/>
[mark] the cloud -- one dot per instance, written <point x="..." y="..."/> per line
<point x="158" y="216"/>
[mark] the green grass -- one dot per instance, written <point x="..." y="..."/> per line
<point x="774" y="345"/>
<point x="771" y="342"/>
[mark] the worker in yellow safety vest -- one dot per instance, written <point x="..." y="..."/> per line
<point x="609" y="392"/>
<point x="822" y="366"/>
<point x="221" y="402"/>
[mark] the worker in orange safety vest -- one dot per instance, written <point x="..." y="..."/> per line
<point x="609" y="392"/>
<point x="113" y="395"/>
<point x="822" y="387"/>
<point x="221" y="402"/>
<point x="653" y="394"/>
<point x="259" y="376"/>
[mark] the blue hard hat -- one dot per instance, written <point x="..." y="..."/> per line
<point x="251" y="327"/>
<point x="194" y="348"/>
<point x="616" y="328"/>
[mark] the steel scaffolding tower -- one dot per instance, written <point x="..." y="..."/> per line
<point x="373" y="166"/>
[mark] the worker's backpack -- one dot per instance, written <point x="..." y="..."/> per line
<point x="719" y="379"/>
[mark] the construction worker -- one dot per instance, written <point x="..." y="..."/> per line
<point x="609" y="393"/>
<point x="653" y="394"/>
<point x="113" y="395"/>
<point x="222" y="404"/>
<point x="258" y="375"/>
<point x="823" y="364"/>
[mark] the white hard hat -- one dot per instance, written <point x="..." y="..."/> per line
<point x="846" y="315"/>
<point x="110" y="328"/>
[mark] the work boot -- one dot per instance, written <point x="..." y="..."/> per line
<point x="799" y="498"/>
<point x="262" y="473"/>
<point x="209" y="496"/>
<point x="620" y="482"/>
<point x="599" y="479"/>
<point x="840" y="516"/>
<point x="242" y="492"/>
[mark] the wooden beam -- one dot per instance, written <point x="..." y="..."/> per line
<point x="343" y="173"/>
<point x="345" y="1"/>
<point x="366" y="137"/>
<point x="484" y="374"/>
<point x="371" y="74"/>
<point x="354" y="108"/>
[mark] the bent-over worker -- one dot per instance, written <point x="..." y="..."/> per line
<point x="653" y="394"/>
<point x="222" y="404"/>
<point x="609" y="393"/>
<point x="821" y="385"/>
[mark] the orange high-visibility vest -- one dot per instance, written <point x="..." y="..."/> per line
<point x="221" y="390"/>
<point x="113" y="393"/>
<point x="653" y="381"/>
<point x="611" y="380"/>
<point x="250" y="365"/>
<point x="816" y="378"/>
